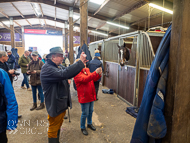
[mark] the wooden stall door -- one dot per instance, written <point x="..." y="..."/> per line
<point x="110" y="80"/>
<point x="126" y="83"/>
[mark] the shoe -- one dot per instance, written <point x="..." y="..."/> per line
<point x="91" y="127"/>
<point x="65" y="117"/>
<point x="52" y="140"/>
<point x="19" y="116"/>
<point x="33" y="107"/>
<point x="29" y="89"/>
<point x="96" y="99"/>
<point x="84" y="131"/>
<point x="23" y="87"/>
<point x="42" y="106"/>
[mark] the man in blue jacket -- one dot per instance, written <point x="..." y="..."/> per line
<point x="8" y="106"/>
<point x="54" y="79"/>
<point x="11" y="61"/>
<point x="93" y="65"/>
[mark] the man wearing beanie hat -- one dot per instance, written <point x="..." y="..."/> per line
<point x="54" y="79"/>
<point x="94" y="64"/>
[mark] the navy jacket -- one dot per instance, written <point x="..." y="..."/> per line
<point x="5" y="67"/>
<point x="8" y="104"/>
<point x="150" y="125"/>
<point x="11" y="61"/>
<point x="84" y="49"/>
<point x="54" y="80"/>
<point x="94" y="64"/>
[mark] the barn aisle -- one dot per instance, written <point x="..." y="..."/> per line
<point x="113" y="124"/>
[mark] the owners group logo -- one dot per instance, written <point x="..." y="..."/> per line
<point x="30" y="127"/>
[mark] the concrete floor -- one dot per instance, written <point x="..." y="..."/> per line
<point x="113" y="124"/>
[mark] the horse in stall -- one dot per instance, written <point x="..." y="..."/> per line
<point x="124" y="54"/>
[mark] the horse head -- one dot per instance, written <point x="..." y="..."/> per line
<point x="124" y="54"/>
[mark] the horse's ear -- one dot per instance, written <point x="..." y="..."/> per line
<point x="124" y="44"/>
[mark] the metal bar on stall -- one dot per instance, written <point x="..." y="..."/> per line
<point x="135" y="98"/>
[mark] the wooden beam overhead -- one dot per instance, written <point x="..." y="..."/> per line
<point x="17" y="23"/>
<point x="17" y="9"/>
<point x="103" y="4"/>
<point x="5" y="26"/>
<point x="55" y="14"/>
<point x="29" y="22"/>
<point x="146" y="18"/>
<point x="33" y="10"/>
<point x="49" y="18"/>
<point x="136" y="6"/>
<point x="75" y="3"/>
<point x="41" y="10"/>
<point x="101" y="26"/>
<point x="4" y="14"/>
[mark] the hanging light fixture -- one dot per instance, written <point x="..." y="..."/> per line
<point x="100" y="33"/>
<point x="114" y="24"/>
<point x="161" y="8"/>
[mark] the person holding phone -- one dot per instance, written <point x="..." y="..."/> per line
<point x="34" y="69"/>
<point x="93" y="65"/>
<point x="87" y="95"/>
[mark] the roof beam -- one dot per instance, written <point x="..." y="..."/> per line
<point x="28" y="22"/>
<point x="5" y="26"/>
<point x="55" y="14"/>
<point x="17" y="23"/>
<point x="41" y="10"/>
<point x="146" y="18"/>
<point x="103" y="4"/>
<point x="134" y="7"/>
<point x="4" y="14"/>
<point x="75" y="3"/>
<point x="33" y="10"/>
<point x="17" y="9"/>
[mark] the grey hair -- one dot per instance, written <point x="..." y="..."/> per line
<point x="50" y="56"/>
<point x="2" y="54"/>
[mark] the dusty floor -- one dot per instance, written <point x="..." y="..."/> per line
<point x="113" y="124"/>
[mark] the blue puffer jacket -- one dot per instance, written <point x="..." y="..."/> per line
<point x="8" y="104"/>
<point x="94" y="64"/>
<point x="150" y="125"/>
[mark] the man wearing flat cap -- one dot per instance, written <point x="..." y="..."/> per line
<point x="54" y="79"/>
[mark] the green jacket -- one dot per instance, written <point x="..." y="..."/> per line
<point x="23" y="61"/>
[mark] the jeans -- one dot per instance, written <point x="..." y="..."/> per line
<point x="25" y="80"/>
<point x="40" y="91"/>
<point x="87" y="110"/>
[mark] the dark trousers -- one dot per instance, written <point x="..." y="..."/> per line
<point x="25" y="80"/>
<point x="96" y="84"/>
<point x="3" y="137"/>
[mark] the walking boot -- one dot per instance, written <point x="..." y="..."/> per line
<point x="91" y="127"/>
<point x="84" y="131"/>
<point x="41" y="106"/>
<point x="58" y="133"/>
<point x="52" y="140"/>
<point x="33" y="107"/>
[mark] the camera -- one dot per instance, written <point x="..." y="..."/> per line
<point x="16" y="73"/>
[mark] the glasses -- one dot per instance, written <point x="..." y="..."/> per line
<point x="59" y="55"/>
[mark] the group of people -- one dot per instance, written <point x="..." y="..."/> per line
<point x="52" y="80"/>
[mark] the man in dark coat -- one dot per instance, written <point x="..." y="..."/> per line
<point x="11" y="61"/>
<point x="4" y="65"/>
<point x="93" y="65"/>
<point x="54" y="78"/>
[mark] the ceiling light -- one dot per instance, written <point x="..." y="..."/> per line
<point x="37" y="9"/>
<point x="99" y="2"/>
<point x="161" y="8"/>
<point x="99" y="33"/>
<point x="125" y="27"/>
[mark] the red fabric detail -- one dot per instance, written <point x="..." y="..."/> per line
<point x="85" y="85"/>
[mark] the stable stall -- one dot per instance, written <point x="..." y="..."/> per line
<point x="128" y="81"/>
